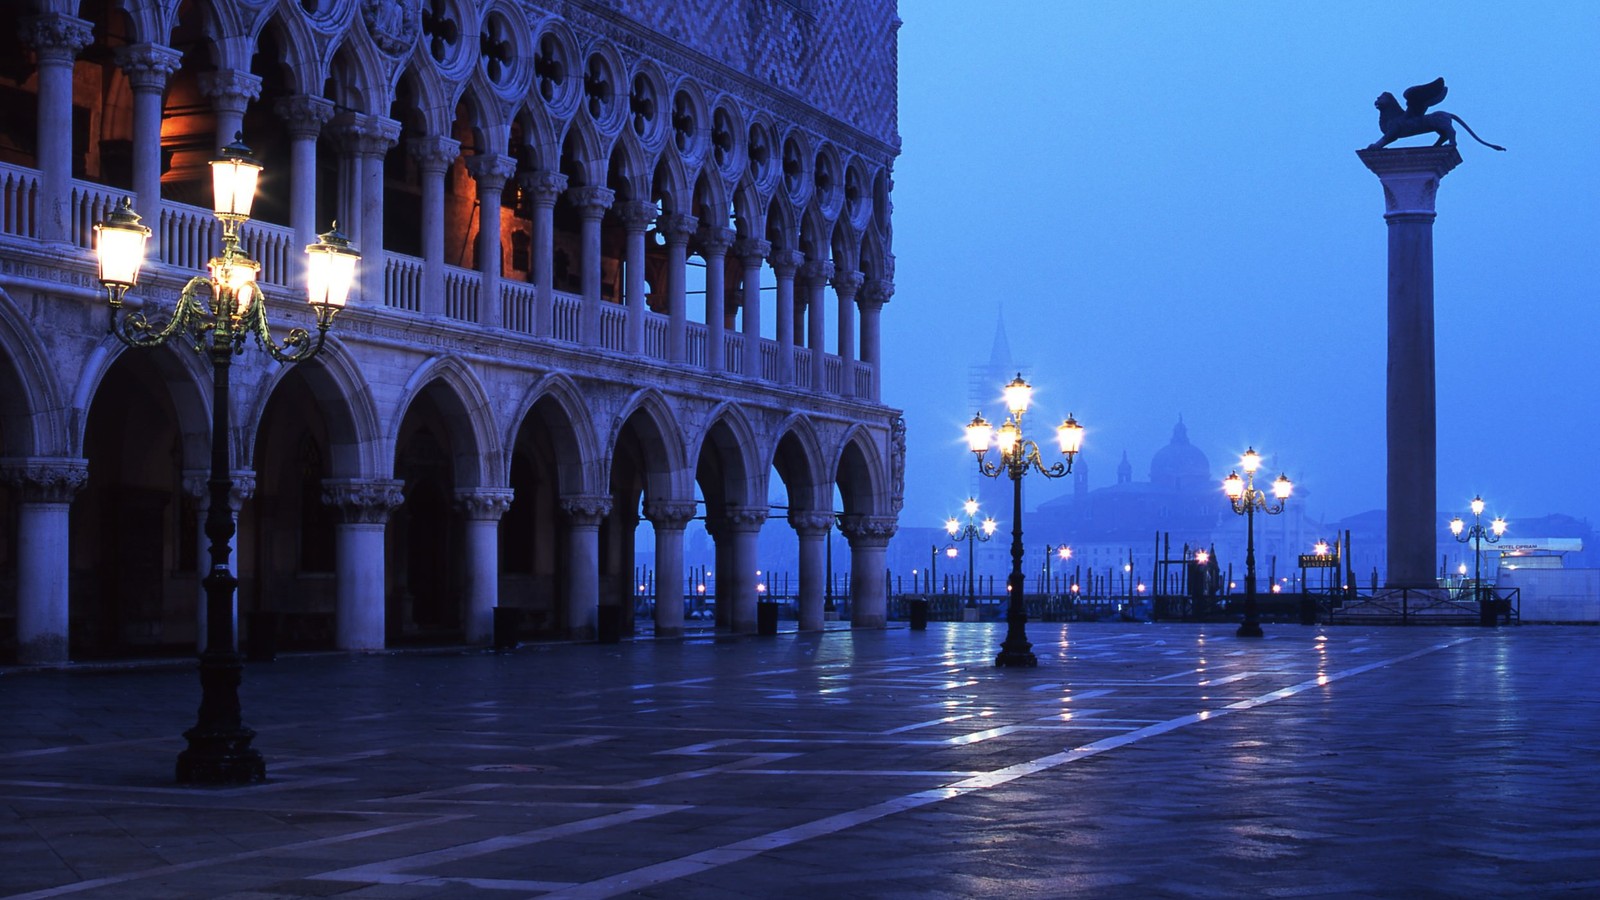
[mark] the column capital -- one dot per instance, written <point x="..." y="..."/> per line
<point x="743" y="518"/>
<point x="45" y="479"/>
<point x="484" y="504"/>
<point x="716" y="240"/>
<point x="635" y="215"/>
<point x="786" y="262"/>
<point x="542" y="187"/>
<point x="752" y="250"/>
<point x="366" y="501"/>
<point x="366" y="135"/>
<point x="491" y="170"/>
<point x="148" y="66"/>
<point x="1410" y="176"/>
<point x="591" y="201"/>
<point x="810" y="522"/>
<point x="586" y="511"/>
<point x="231" y="90"/>
<point x="876" y="291"/>
<point x="847" y="284"/>
<point x="303" y="114"/>
<point x="197" y="484"/>
<point x="669" y="515"/>
<point x="816" y="271"/>
<point x="57" y="37"/>
<point x="676" y="227"/>
<point x="434" y="153"/>
<point x="868" y="531"/>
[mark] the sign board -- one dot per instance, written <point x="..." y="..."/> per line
<point x="1313" y="561"/>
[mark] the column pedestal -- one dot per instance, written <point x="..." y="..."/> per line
<point x="811" y="528"/>
<point x="45" y="487"/>
<point x="869" y="543"/>
<point x="584" y="515"/>
<point x="482" y="509"/>
<point x="669" y="520"/>
<point x="364" y="508"/>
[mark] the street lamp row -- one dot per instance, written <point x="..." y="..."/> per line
<point x="1477" y="534"/>
<point x="1245" y="499"/>
<point x="970" y="531"/>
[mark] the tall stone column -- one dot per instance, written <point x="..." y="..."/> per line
<point x="584" y="515"/>
<point x="736" y="583"/>
<point x="874" y="294"/>
<point x="869" y="543"/>
<point x="816" y="273"/>
<point x="490" y="171"/>
<point x="669" y="518"/>
<point x="592" y="203"/>
<point x="543" y="188"/>
<point x="148" y="66"/>
<point x="784" y="264"/>
<point x="303" y="116"/>
<point x="676" y="228"/>
<point x="364" y="141"/>
<point x="811" y="527"/>
<point x="364" y="507"/>
<point x="231" y="92"/>
<point x="433" y="154"/>
<point x="45" y="488"/>
<point x="714" y="244"/>
<point x="56" y="40"/>
<point x="751" y="253"/>
<point x="481" y="508"/>
<point x="196" y="485"/>
<point x="846" y="285"/>
<point x="1410" y="178"/>
<point x="635" y="215"/>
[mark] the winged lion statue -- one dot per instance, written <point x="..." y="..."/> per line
<point x="1415" y="119"/>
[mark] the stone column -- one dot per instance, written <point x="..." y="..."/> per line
<point x="669" y="518"/>
<point x="364" y="507"/>
<point x="874" y="294"/>
<point x="676" y="228"/>
<point x="636" y="215"/>
<point x="751" y="253"/>
<point x="303" y="116"/>
<point x="816" y="273"/>
<point x="1410" y="178"/>
<point x="714" y="244"/>
<point x="736" y="583"/>
<point x="433" y="154"/>
<point x="364" y="140"/>
<point x="490" y="171"/>
<point x="542" y="189"/>
<point x="584" y="515"/>
<point x="592" y="203"/>
<point x="784" y="264"/>
<point x="231" y="92"/>
<point x="869" y="543"/>
<point x="845" y="285"/>
<point x="811" y="527"/>
<point x="482" y="509"/>
<point x="148" y="66"/>
<point x="45" y="487"/>
<point x="56" y="40"/>
<point x="196" y="485"/>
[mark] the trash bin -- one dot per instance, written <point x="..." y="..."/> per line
<point x="507" y="622"/>
<point x="609" y="625"/>
<point x="766" y="617"/>
<point x="261" y="640"/>
<point x="919" y="615"/>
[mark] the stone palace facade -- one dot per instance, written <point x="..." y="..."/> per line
<point x="619" y="260"/>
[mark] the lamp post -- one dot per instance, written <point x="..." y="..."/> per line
<point x="1246" y="498"/>
<point x="1062" y="552"/>
<point x="215" y="313"/>
<point x="971" y="531"/>
<point x="1477" y="534"/>
<point x="1017" y="456"/>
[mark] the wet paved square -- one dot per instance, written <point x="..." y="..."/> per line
<point x="1137" y="760"/>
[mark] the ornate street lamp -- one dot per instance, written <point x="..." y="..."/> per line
<point x="971" y="531"/>
<point x="1062" y="553"/>
<point x="1017" y="456"/>
<point x="215" y="314"/>
<point x="1246" y="498"/>
<point x="1477" y="534"/>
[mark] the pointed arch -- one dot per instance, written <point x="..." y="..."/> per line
<point x="859" y="473"/>
<point x="556" y="400"/>
<point x="648" y="409"/>
<point x="305" y="67"/>
<point x="798" y="457"/>
<point x="470" y="414"/>
<point x="740" y="451"/>
<point x="583" y="154"/>
<point x="670" y="184"/>
<point x="182" y="372"/>
<point x="32" y="415"/>
<point x="356" y="445"/>
<point x="628" y="168"/>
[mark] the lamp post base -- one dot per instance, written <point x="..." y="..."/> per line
<point x="221" y="757"/>
<point x="1016" y="657"/>
<point x="1249" y="629"/>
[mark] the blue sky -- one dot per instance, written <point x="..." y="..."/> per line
<point x="1165" y="201"/>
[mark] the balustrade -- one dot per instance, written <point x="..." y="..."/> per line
<point x="402" y="282"/>
<point x="19" y="195"/>
<point x="517" y="304"/>
<point x="461" y="287"/>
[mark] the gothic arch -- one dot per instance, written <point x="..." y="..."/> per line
<point x="305" y="66"/>
<point x="357" y="448"/>
<point x="728" y="432"/>
<point x="32" y="421"/>
<point x="578" y="453"/>
<point x="858" y="471"/>
<point x="469" y="411"/>
<point x="182" y="371"/>
<point x="668" y="479"/>
<point x="798" y="458"/>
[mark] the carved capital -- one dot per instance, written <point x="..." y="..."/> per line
<point x="230" y="89"/>
<point x="433" y="153"/>
<point x="304" y="115"/>
<point x="816" y="271"/>
<point x="148" y="66"/>
<point x="809" y="522"/>
<point x="714" y="240"/>
<point x="586" y="511"/>
<point x="542" y="187"/>
<point x="591" y="201"/>
<point x="635" y="215"/>
<point x="846" y="284"/>
<point x="744" y="518"/>
<point x="786" y="262"/>
<point x="484" y="504"/>
<point x="363" y="501"/>
<point x="490" y="171"/>
<point x="676" y="227"/>
<point x="365" y="135"/>
<point x="45" y="479"/>
<point x="1410" y="176"/>
<point x="752" y="250"/>
<point x="876" y="292"/>
<point x="57" y="38"/>
<point x="869" y="531"/>
<point x="669" y="515"/>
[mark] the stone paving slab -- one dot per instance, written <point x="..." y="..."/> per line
<point x="1137" y="761"/>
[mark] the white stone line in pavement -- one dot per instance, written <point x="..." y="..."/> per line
<point x="696" y="863"/>
<point x="176" y="791"/>
<point x="175" y="868"/>
<point x="928" y="724"/>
